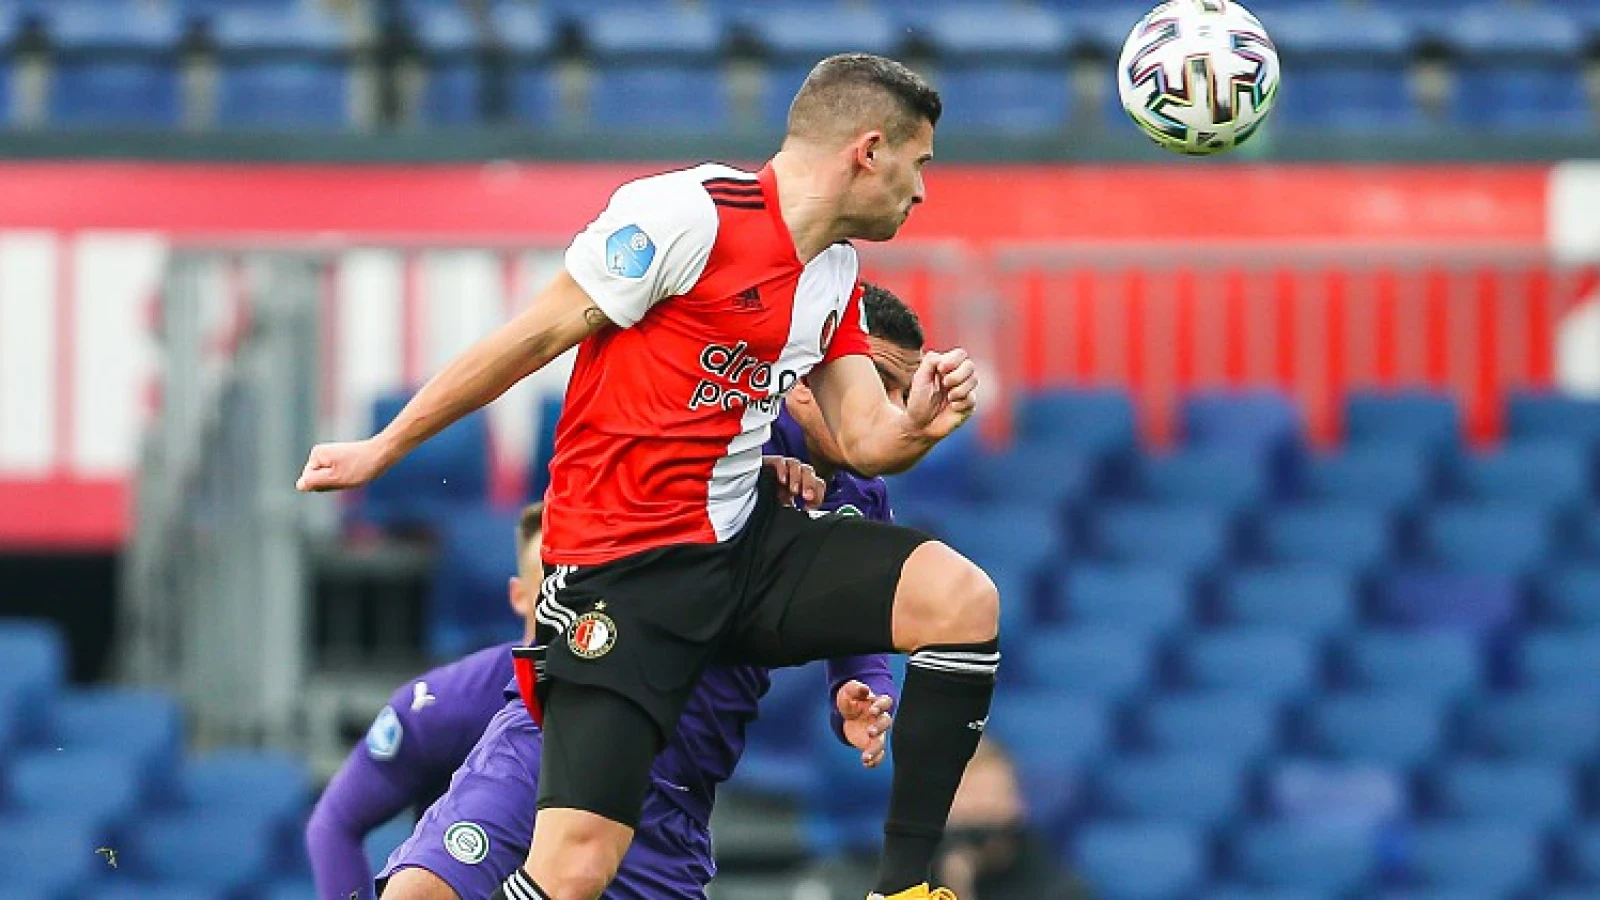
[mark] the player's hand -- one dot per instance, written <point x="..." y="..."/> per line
<point x="866" y="720"/>
<point x="796" y="481"/>
<point x="337" y="467"/>
<point x="944" y="392"/>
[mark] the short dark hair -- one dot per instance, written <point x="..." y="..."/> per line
<point x="529" y="525"/>
<point x="852" y="92"/>
<point x="889" y="317"/>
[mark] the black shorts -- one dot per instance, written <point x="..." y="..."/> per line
<point x="790" y="588"/>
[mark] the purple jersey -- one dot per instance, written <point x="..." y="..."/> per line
<point x="411" y="750"/>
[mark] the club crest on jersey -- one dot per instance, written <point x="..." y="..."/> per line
<point x="385" y="735"/>
<point x="629" y="252"/>
<point x="592" y="635"/>
<point x="467" y="842"/>
<point x="830" y="326"/>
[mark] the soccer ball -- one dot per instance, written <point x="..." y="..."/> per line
<point x="1198" y="76"/>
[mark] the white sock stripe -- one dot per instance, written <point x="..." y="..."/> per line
<point x="519" y="888"/>
<point x="959" y="654"/>
<point x="990" y="659"/>
<point x="967" y="668"/>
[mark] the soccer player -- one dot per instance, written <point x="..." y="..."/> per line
<point x="476" y="834"/>
<point x="700" y="298"/>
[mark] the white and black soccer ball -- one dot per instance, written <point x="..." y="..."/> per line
<point x="1198" y="76"/>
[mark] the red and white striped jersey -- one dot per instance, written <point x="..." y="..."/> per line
<point x="715" y="320"/>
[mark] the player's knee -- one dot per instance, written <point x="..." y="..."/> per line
<point x="975" y="608"/>
<point x="580" y="874"/>
<point x="948" y="600"/>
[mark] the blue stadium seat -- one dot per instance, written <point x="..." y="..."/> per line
<point x="946" y="473"/>
<point x="1585" y="543"/>
<point x="1431" y="420"/>
<point x="109" y="92"/>
<point x="1266" y="421"/>
<point x="100" y="788"/>
<point x="1441" y="664"/>
<point x="1236" y="725"/>
<point x="778" y="88"/>
<point x="1333" y="857"/>
<point x="781" y="758"/>
<point x="1034" y="473"/>
<point x="1318" y="32"/>
<point x="1240" y="892"/>
<point x="382" y="841"/>
<point x="988" y="33"/>
<point x="1087" y="661"/>
<point x="1560" y="660"/>
<point x="1477" y="857"/>
<point x="535" y="97"/>
<point x="1218" y="477"/>
<point x="1350" y="96"/>
<point x="1141" y="861"/>
<point x="144" y="725"/>
<point x="1095" y="421"/>
<point x="1010" y="99"/>
<point x="1269" y="663"/>
<point x="209" y="851"/>
<point x="1376" y="475"/>
<point x="453" y="93"/>
<point x="1552" y="474"/>
<point x="1497" y="32"/>
<point x="1023" y="537"/>
<point x="1528" y="97"/>
<point x="51" y="854"/>
<point x="76" y="27"/>
<point x="442" y="29"/>
<point x="1393" y="729"/>
<point x="447" y="473"/>
<point x="1554" y="727"/>
<point x="1309" y="600"/>
<point x="274" y="786"/>
<point x="664" y="98"/>
<point x="468" y="606"/>
<point x="1349" y="539"/>
<point x="538" y="476"/>
<point x="123" y="889"/>
<point x="804" y="33"/>
<point x="1165" y="536"/>
<point x="1571" y="597"/>
<point x="1472" y="601"/>
<point x="1310" y="791"/>
<point x="1553" y="416"/>
<point x="283" y="94"/>
<point x="525" y="29"/>
<point x="1198" y="790"/>
<point x="1580" y="854"/>
<point x="1135" y="598"/>
<point x="1048" y="729"/>
<point x="291" y="890"/>
<point x="1487" y="538"/>
<point x="1529" y="794"/>
<point x="297" y="29"/>
<point x="36" y="665"/>
<point x="659" y="33"/>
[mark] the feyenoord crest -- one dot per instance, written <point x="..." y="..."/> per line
<point x="592" y="635"/>
<point x="829" y="326"/>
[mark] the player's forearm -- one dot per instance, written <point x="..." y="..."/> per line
<point x="356" y="801"/>
<point x="886" y="445"/>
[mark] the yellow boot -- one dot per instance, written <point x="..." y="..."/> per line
<point x="920" y="892"/>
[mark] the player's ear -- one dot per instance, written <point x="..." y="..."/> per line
<point x="519" y="597"/>
<point x="867" y="148"/>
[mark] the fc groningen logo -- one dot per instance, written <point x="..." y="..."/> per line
<point x="466" y="842"/>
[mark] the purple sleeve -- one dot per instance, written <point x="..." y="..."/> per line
<point x="362" y="795"/>
<point x="871" y="670"/>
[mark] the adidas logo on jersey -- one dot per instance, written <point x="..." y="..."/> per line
<point x="748" y="300"/>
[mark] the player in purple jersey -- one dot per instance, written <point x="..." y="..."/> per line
<point x="476" y="835"/>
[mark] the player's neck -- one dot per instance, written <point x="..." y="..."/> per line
<point x="806" y="201"/>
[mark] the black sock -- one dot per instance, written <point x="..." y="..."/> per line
<point x="519" y="886"/>
<point x="942" y="712"/>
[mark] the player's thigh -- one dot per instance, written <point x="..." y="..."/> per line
<point x="598" y="749"/>
<point x="418" y="884"/>
<point x="824" y="588"/>
<point x="670" y="858"/>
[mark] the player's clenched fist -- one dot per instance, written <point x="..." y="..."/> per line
<point x="337" y="467"/>
<point x="943" y="392"/>
<point x="866" y="720"/>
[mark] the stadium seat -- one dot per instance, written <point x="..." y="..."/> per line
<point x="1309" y="600"/>
<point x="1264" y="421"/>
<point x="123" y="889"/>
<point x="100" y="788"/>
<point x="1580" y="854"/>
<point x="1269" y="663"/>
<point x="1391" y="729"/>
<point x="291" y="890"/>
<point x="1088" y="661"/>
<point x="981" y="33"/>
<point x="1320" y="791"/>
<point x="1240" y="892"/>
<point x="1134" y="598"/>
<point x="1022" y="535"/>
<point x="215" y="851"/>
<point x="1379" y="476"/>
<point x="1034" y="473"/>
<point x="1318" y="32"/>
<point x="1478" y="602"/>
<point x="453" y="93"/>
<point x="1426" y="419"/>
<point x="662" y="34"/>
<point x="1551" y="726"/>
<point x="1570" y="597"/>
<point x="1493" y="32"/>
<point x="535" y="97"/>
<point x="1350" y="96"/>
<point x="527" y="31"/>
<point x="780" y="759"/>
<point x="36" y="665"/>
<point x="1528" y="97"/>
<point x="639" y="98"/>
<point x="468" y="606"/>
<point x="274" y="786"/>
<point x="1099" y="422"/>
<point x="1585" y="543"/>
<point x="51" y="854"/>
<point x="946" y="473"/>
<point x="1444" y="665"/>
<point x="1552" y="416"/>
<point x="110" y="27"/>
<point x="1222" y="478"/>
<point x="1560" y="660"/>
<point x="1347" y="539"/>
<point x="111" y="92"/>
<point x="1532" y="795"/>
<point x="1477" y="857"/>
<point x="801" y="34"/>
<point x="298" y="30"/>
<point x="283" y="94"/>
<point x="382" y="841"/>
<point x="1202" y="791"/>
<point x="1166" y="536"/>
<point x="447" y="473"/>
<point x="144" y="725"/>
<point x="1010" y="99"/>
<point x="1487" y="538"/>
<point x="1331" y="857"/>
<point x="1235" y="725"/>
<point x="1048" y="729"/>
<point x="1141" y="861"/>
<point x="1548" y="474"/>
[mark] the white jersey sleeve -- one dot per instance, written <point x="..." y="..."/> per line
<point x="651" y="242"/>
